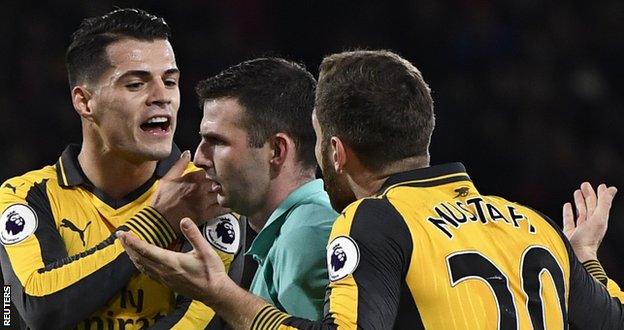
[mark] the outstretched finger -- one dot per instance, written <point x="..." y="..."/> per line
<point x="568" y="220"/>
<point x="581" y="209"/>
<point x="590" y="198"/>
<point x="178" y="168"/>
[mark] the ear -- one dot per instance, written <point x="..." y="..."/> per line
<point x="339" y="154"/>
<point x="281" y="145"/>
<point x="80" y="99"/>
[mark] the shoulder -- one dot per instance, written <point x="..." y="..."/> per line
<point x="311" y="216"/>
<point x="374" y="213"/>
<point x="17" y="188"/>
<point x="23" y="201"/>
<point x="542" y="227"/>
<point x="312" y="213"/>
<point x="532" y="214"/>
<point x="373" y="223"/>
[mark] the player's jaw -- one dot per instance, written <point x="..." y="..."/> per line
<point x="336" y="185"/>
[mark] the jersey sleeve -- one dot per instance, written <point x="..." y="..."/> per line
<point x="45" y="281"/>
<point x="594" y="268"/>
<point x="193" y="314"/>
<point x="588" y="295"/>
<point x="367" y="259"/>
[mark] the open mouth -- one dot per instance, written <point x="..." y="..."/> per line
<point x="156" y="125"/>
<point x="215" y="186"/>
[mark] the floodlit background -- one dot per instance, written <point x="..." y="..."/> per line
<point x="528" y="94"/>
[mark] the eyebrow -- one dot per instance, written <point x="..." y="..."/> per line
<point x="145" y="74"/>
<point x="212" y="135"/>
<point x="209" y="134"/>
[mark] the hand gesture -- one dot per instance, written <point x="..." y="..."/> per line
<point x="198" y="274"/>
<point x="186" y="195"/>
<point x="592" y="218"/>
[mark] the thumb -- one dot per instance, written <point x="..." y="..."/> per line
<point x="178" y="168"/>
<point x="195" y="237"/>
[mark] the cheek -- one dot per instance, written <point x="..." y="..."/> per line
<point x="114" y="110"/>
<point x="254" y="169"/>
<point x="175" y="100"/>
<point x="226" y="163"/>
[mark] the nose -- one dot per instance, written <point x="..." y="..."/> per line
<point x="203" y="156"/>
<point x="159" y="95"/>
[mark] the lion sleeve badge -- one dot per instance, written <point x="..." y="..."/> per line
<point x="17" y="223"/>
<point x="343" y="257"/>
<point x="223" y="233"/>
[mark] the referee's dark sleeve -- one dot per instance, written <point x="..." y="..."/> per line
<point x="370" y="297"/>
<point x="53" y="290"/>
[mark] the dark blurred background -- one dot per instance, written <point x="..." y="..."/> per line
<point x="528" y="94"/>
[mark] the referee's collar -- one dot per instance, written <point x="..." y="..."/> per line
<point x="432" y="175"/>
<point x="70" y="174"/>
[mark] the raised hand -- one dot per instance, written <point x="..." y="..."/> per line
<point x="586" y="233"/>
<point x="186" y="195"/>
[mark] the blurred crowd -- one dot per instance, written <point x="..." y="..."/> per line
<point x="528" y="94"/>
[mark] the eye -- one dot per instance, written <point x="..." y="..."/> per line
<point x="135" y="85"/>
<point x="213" y="141"/>
<point x="171" y="82"/>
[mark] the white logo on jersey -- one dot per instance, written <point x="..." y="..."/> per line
<point x="343" y="257"/>
<point x="17" y="222"/>
<point x="223" y="233"/>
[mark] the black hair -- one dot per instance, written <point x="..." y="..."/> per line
<point x="86" y="56"/>
<point x="278" y="96"/>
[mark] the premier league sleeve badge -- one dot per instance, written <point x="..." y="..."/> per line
<point x="343" y="257"/>
<point x="17" y="223"/>
<point x="223" y="233"/>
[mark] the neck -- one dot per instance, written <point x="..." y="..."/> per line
<point x="115" y="175"/>
<point x="281" y="187"/>
<point x="366" y="183"/>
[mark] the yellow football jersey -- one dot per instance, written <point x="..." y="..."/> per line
<point x="429" y="251"/>
<point x="65" y="265"/>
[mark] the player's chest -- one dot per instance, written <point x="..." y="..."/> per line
<point x="138" y="305"/>
<point x="83" y="220"/>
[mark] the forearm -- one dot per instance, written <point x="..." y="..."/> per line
<point x="46" y="287"/>
<point x="236" y="306"/>
<point x="48" y="295"/>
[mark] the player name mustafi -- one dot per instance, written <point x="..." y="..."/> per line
<point x="453" y="214"/>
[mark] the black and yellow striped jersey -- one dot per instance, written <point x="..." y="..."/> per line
<point x="67" y="269"/>
<point x="429" y="251"/>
